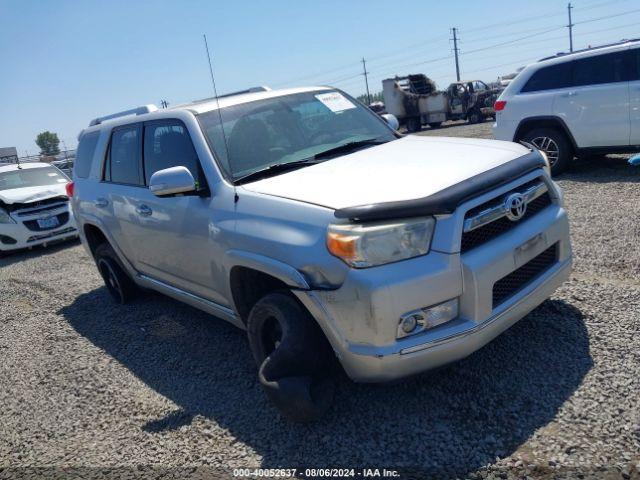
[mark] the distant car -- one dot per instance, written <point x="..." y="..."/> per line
<point x="65" y="165"/>
<point x="575" y="104"/>
<point x="34" y="206"/>
<point x="378" y="107"/>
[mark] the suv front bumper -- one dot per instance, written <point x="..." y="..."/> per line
<point x="360" y="318"/>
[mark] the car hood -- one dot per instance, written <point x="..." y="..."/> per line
<point x="406" y="169"/>
<point x="31" y="194"/>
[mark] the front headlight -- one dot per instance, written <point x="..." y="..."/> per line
<point x="4" y="217"/>
<point x="370" y="244"/>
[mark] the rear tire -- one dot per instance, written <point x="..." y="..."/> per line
<point x="118" y="283"/>
<point x="435" y="125"/>
<point x="293" y="356"/>
<point x="474" y="116"/>
<point x="555" y="144"/>
<point x="413" y="124"/>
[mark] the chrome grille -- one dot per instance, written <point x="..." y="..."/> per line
<point x="488" y="221"/>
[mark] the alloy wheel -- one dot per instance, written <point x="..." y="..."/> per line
<point x="549" y="147"/>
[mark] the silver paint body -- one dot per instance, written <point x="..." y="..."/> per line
<point x="187" y="245"/>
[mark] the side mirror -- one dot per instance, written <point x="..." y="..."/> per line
<point x="391" y="120"/>
<point x="171" y="181"/>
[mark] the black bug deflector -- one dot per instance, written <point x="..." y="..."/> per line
<point x="447" y="200"/>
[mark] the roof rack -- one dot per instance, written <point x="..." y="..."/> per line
<point x="134" y="111"/>
<point x="588" y="49"/>
<point x="261" y="88"/>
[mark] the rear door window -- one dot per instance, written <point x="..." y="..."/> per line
<point x="599" y="69"/>
<point x="124" y="164"/>
<point x="549" y="78"/>
<point x="168" y="144"/>
<point x="84" y="155"/>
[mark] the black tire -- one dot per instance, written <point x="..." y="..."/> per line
<point x="413" y="124"/>
<point x="118" y="283"/>
<point x="435" y="124"/>
<point x="474" y="116"/>
<point x="294" y="358"/>
<point x="555" y="144"/>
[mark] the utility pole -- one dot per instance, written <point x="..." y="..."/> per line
<point x="366" y="79"/>
<point x="569" y="7"/>
<point x="455" y="51"/>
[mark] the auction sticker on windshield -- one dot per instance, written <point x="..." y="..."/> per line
<point x="335" y="101"/>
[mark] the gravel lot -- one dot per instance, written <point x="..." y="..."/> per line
<point x="153" y="385"/>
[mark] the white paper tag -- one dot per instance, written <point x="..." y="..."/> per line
<point x="335" y="101"/>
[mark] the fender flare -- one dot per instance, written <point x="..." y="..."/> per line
<point x="95" y="222"/>
<point x="277" y="269"/>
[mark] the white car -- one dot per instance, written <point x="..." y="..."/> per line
<point x="580" y="103"/>
<point x="34" y="206"/>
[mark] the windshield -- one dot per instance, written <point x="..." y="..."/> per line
<point x="31" y="177"/>
<point x="288" y="129"/>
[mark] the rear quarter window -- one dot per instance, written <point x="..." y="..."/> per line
<point x="549" y="78"/>
<point x="84" y="155"/>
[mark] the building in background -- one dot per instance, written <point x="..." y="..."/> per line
<point x="8" y="155"/>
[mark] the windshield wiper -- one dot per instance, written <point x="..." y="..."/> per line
<point x="275" y="169"/>
<point x="350" y="147"/>
<point x="317" y="158"/>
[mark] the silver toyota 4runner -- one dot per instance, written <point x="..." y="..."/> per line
<point x="302" y="217"/>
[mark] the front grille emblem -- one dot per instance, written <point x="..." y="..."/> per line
<point x="515" y="207"/>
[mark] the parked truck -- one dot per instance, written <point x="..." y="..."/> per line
<point x="416" y="101"/>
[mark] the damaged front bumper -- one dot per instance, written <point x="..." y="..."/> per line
<point x="361" y="318"/>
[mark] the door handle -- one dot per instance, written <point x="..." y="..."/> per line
<point x="144" y="210"/>
<point x="569" y="94"/>
<point x="101" y="202"/>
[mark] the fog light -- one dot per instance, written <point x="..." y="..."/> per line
<point x="409" y="323"/>
<point x="427" y="317"/>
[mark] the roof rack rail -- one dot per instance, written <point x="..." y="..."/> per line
<point x="588" y="49"/>
<point x="134" y="111"/>
<point x="261" y="88"/>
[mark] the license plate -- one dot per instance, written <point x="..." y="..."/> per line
<point x="49" y="222"/>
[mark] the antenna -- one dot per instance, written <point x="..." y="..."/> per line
<point x="215" y="93"/>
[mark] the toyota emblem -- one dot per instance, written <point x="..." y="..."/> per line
<point x="515" y="206"/>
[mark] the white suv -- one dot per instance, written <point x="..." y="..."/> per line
<point x="581" y="103"/>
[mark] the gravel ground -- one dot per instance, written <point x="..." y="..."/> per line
<point x="143" y="389"/>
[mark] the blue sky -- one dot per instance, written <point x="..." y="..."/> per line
<point x="65" y="62"/>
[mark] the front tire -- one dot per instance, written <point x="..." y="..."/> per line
<point x="293" y="356"/>
<point x="554" y="144"/>
<point x="119" y="285"/>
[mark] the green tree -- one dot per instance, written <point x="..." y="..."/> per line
<point x="48" y="142"/>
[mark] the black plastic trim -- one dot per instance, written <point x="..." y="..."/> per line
<point x="447" y="200"/>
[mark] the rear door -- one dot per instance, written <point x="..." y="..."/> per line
<point x="123" y="183"/>
<point x="596" y="105"/>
